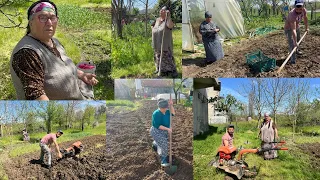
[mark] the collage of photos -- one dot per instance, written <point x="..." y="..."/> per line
<point x="160" y="89"/>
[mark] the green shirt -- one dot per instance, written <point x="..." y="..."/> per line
<point x="158" y="119"/>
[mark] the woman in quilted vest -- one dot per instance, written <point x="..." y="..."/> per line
<point x="40" y="68"/>
<point x="268" y="133"/>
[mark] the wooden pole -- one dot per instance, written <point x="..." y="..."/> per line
<point x="161" y="53"/>
<point x="170" y="135"/>
<point x="294" y="49"/>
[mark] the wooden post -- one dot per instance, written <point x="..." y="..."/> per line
<point x="1" y="131"/>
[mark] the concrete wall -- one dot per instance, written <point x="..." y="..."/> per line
<point x="200" y="112"/>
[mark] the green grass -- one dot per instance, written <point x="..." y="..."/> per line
<point x="68" y="135"/>
<point x="256" y="22"/>
<point x="78" y="18"/>
<point x="291" y="164"/>
<point x="121" y="103"/>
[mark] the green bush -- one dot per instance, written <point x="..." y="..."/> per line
<point x="133" y="49"/>
<point x="99" y="1"/>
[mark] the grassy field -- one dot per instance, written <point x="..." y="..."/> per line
<point x="292" y="164"/>
<point x="83" y="29"/>
<point x="133" y="56"/>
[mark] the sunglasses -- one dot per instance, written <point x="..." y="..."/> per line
<point x="44" y="19"/>
<point x="298" y="6"/>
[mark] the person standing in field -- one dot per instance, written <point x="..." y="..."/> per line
<point x="161" y="128"/>
<point x="162" y="32"/>
<point x="292" y="27"/>
<point x="210" y="38"/>
<point x="268" y="133"/>
<point x="46" y="145"/>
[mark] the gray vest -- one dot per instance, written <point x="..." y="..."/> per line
<point x="267" y="132"/>
<point x="60" y="76"/>
<point x="157" y="32"/>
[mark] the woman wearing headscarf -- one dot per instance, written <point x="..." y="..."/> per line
<point x="268" y="133"/>
<point x="162" y="32"/>
<point x="40" y="68"/>
<point x="160" y="129"/>
<point x="210" y="38"/>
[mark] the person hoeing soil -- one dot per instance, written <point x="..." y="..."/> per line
<point x="160" y="129"/>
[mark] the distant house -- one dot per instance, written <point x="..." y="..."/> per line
<point x="152" y="87"/>
<point x="200" y="103"/>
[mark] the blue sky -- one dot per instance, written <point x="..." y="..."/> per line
<point x="14" y="106"/>
<point x="234" y="87"/>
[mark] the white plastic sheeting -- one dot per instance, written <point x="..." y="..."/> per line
<point x="225" y="13"/>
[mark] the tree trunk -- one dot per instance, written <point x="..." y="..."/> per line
<point x="259" y="118"/>
<point x="274" y="6"/>
<point x="146" y="20"/>
<point x="1" y="130"/>
<point x="49" y="125"/>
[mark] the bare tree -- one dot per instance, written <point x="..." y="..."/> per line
<point x="70" y="112"/>
<point x="117" y="15"/>
<point x="246" y="6"/>
<point x="13" y="20"/>
<point x="299" y="95"/>
<point x="146" y="17"/>
<point x="177" y="87"/>
<point x="256" y="96"/>
<point x="276" y="90"/>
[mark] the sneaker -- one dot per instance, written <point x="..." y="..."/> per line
<point x="48" y="166"/>
<point x="164" y="162"/>
<point x="299" y="52"/>
<point x="39" y="161"/>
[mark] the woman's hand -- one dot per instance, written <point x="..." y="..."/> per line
<point x="89" y="79"/>
<point x="170" y="102"/>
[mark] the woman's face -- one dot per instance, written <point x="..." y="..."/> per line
<point x="208" y="19"/>
<point x="163" y="13"/>
<point x="163" y="110"/>
<point x="43" y="25"/>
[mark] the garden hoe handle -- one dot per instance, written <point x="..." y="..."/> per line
<point x="294" y="49"/>
<point x="170" y="136"/>
<point x="161" y="54"/>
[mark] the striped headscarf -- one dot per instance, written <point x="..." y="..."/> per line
<point x="42" y="6"/>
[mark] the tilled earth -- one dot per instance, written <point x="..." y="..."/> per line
<point x="130" y="155"/>
<point x="273" y="45"/>
<point x="313" y="150"/>
<point x="89" y="165"/>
